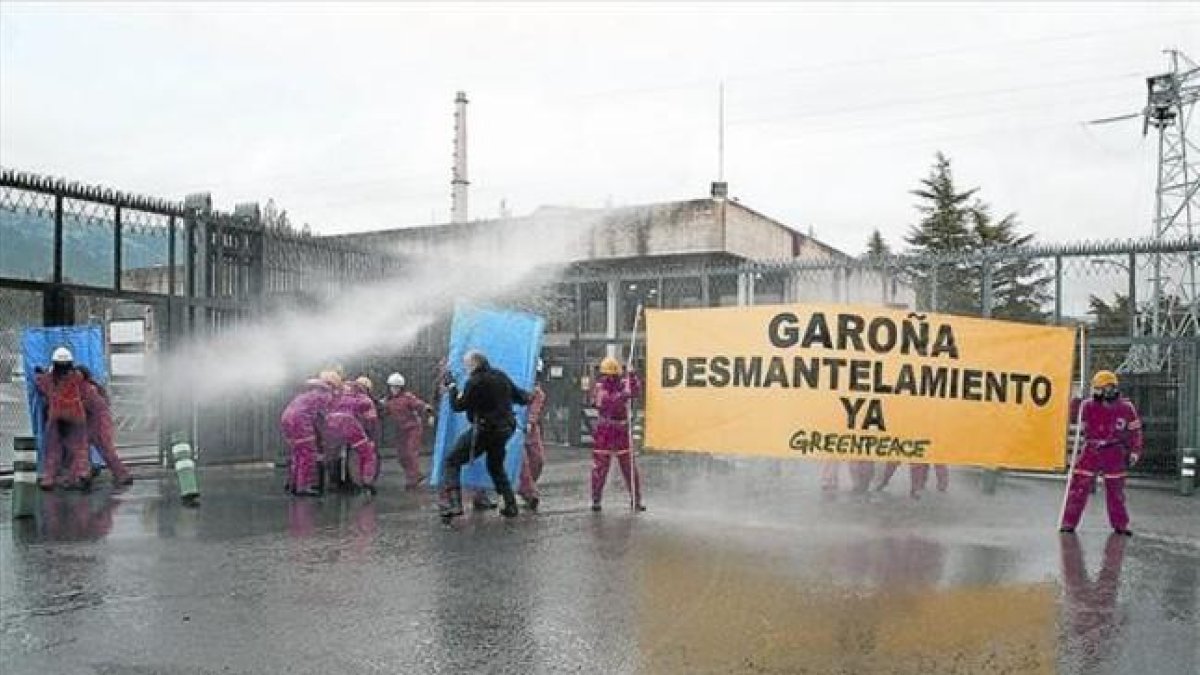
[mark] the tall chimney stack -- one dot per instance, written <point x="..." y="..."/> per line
<point x="459" y="182"/>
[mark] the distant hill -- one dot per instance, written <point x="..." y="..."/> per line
<point x="27" y="249"/>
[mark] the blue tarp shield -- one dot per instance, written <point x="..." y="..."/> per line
<point x="511" y="341"/>
<point x="37" y="345"/>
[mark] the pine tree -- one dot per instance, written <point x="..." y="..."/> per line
<point x="955" y="223"/>
<point x="944" y="228"/>
<point x="877" y="247"/>
<point x="1112" y="320"/>
<point x="1020" y="286"/>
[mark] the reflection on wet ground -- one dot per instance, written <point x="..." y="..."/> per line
<point x="741" y="567"/>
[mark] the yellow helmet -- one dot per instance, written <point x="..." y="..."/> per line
<point x="331" y="378"/>
<point x="365" y="382"/>
<point x="610" y="366"/>
<point x="1104" y="378"/>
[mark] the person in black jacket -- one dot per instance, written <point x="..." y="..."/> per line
<point x="487" y="398"/>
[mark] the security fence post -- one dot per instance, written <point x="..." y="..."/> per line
<point x="991" y="477"/>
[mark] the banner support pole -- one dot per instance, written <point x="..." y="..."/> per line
<point x="634" y="478"/>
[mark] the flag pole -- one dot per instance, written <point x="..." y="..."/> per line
<point x="1062" y="511"/>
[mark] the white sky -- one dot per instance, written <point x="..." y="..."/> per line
<point x="344" y="114"/>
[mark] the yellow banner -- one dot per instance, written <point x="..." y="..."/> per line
<point x="847" y="382"/>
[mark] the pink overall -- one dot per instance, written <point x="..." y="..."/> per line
<point x="1111" y="431"/>
<point x="535" y="450"/>
<point x="611" y="437"/>
<point x="918" y="476"/>
<point x="100" y="429"/>
<point x="409" y="412"/>
<point x="299" y="425"/>
<point x="350" y="420"/>
<point x="861" y="474"/>
<point x="62" y="434"/>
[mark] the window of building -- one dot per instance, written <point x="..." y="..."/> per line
<point x="594" y="298"/>
<point x="562" y="315"/>
<point x="642" y="292"/>
<point x="682" y="292"/>
<point x="723" y="290"/>
<point x="770" y="288"/>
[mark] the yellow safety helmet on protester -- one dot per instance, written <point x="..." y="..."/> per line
<point x="331" y="378"/>
<point x="610" y="366"/>
<point x="365" y="382"/>
<point x="1104" y="378"/>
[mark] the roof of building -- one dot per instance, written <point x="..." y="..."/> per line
<point x="636" y="224"/>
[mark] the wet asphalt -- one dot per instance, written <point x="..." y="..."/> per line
<point x="738" y="567"/>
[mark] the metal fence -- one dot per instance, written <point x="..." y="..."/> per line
<point x="72" y="254"/>
<point x="1102" y="286"/>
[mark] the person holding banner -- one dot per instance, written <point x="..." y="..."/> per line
<point x="861" y="474"/>
<point x="1112" y="442"/>
<point x="918" y="477"/>
<point x="611" y="396"/>
<point x="487" y="399"/>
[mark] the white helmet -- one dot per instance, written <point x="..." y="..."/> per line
<point x="62" y="355"/>
<point x="395" y="380"/>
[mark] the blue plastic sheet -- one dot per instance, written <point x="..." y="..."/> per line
<point x="512" y="342"/>
<point x="37" y="345"/>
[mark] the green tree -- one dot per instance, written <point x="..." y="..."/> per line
<point x="877" y="246"/>
<point x="1020" y="285"/>
<point x="944" y="229"/>
<point x="1112" y="319"/>
<point x="956" y="225"/>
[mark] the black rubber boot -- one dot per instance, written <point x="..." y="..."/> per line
<point x="307" y="492"/>
<point x="596" y="507"/>
<point x="453" y="506"/>
<point x="510" y="505"/>
<point x="483" y="503"/>
<point x="531" y="504"/>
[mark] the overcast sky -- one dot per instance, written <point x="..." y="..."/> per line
<point x="344" y="114"/>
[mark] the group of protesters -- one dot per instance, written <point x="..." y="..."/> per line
<point x="332" y="414"/>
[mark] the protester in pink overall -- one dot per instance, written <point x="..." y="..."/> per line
<point x="100" y="428"/>
<point x="918" y="477"/>
<point x="535" y="450"/>
<point x="611" y="396"/>
<point x="1112" y="441"/>
<point x="66" y="422"/>
<point x="300" y="424"/>
<point x="409" y="414"/>
<point x="860" y="475"/>
<point x="351" y="417"/>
